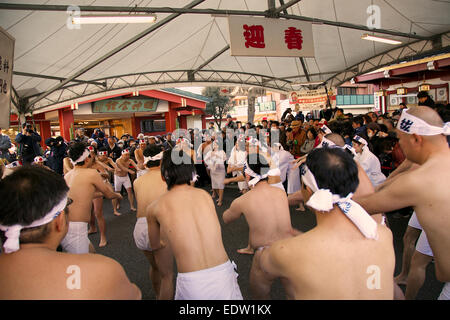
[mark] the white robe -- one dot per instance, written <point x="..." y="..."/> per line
<point x="371" y="165"/>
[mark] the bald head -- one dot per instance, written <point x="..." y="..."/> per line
<point x="336" y="138"/>
<point x="427" y="114"/>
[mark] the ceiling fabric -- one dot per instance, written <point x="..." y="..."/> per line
<point x="46" y="46"/>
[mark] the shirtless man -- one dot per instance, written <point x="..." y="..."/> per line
<point x="139" y="155"/>
<point x="103" y="169"/>
<point x="188" y="217"/>
<point x="83" y="183"/>
<point x="31" y="268"/>
<point x="422" y="136"/>
<point x="121" y="178"/>
<point x="161" y="263"/>
<point x="339" y="259"/>
<point x="266" y="210"/>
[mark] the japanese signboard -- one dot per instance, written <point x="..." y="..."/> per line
<point x="308" y="100"/>
<point x="125" y="105"/>
<point x="6" y="70"/>
<point x="270" y="37"/>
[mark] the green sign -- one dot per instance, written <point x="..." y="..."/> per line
<point x="267" y="106"/>
<point x="125" y="105"/>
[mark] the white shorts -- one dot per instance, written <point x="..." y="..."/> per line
<point x="76" y="239"/>
<point x="413" y="222"/>
<point x="140" y="234"/>
<point x="423" y="246"/>
<point x="445" y="293"/>
<point x="121" y="181"/>
<point x="216" y="283"/>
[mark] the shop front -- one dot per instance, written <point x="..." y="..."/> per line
<point x="151" y="112"/>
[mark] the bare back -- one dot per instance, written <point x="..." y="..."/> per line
<point x="188" y="217"/>
<point x="337" y="262"/>
<point x="82" y="188"/>
<point x="266" y="210"/>
<point x="148" y="188"/>
<point x="52" y="273"/>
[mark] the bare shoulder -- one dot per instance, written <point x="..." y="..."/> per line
<point x="284" y="250"/>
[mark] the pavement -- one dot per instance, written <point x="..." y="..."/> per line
<point x="121" y="247"/>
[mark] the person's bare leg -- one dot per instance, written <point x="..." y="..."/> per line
<point x="409" y="246"/>
<point x="295" y="198"/>
<point x="248" y="250"/>
<point x="131" y="199"/>
<point x="398" y="293"/>
<point x="92" y="226"/>
<point x="417" y="274"/>
<point x="213" y="194"/>
<point x="219" y="201"/>
<point x="153" y="271"/>
<point x="259" y="284"/>
<point x="115" y="205"/>
<point x="91" y="248"/>
<point x="98" y="210"/>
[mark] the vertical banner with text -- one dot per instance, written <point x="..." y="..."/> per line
<point x="270" y="37"/>
<point x="6" y="69"/>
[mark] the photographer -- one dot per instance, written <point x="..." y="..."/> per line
<point x="5" y="144"/>
<point x="57" y="153"/>
<point x="28" y="141"/>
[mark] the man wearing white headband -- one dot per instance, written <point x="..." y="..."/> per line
<point x="266" y="211"/>
<point x="30" y="266"/>
<point x="368" y="161"/>
<point x="422" y="135"/>
<point x="121" y="178"/>
<point x="204" y="269"/>
<point x="161" y="262"/>
<point x="84" y="183"/>
<point x="139" y="156"/>
<point x="346" y="247"/>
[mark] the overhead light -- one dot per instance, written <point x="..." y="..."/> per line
<point x="307" y="83"/>
<point x="424" y="87"/>
<point x="402" y="91"/>
<point x="379" y="39"/>
<point x="104" y="19"/>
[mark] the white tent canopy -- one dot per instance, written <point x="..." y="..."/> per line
<point x="198" y="41"/>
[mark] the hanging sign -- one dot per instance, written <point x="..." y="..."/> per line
<point x="6" y="70"/>
<point x="125" y="105"/>
<point x="270" y="37"/>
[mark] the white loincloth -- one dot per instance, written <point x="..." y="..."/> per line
<point x="140" y="235"/>
<point x="76" y="239"/>
<point x="216" y="283"/>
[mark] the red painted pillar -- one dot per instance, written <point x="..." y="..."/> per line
<point x="203" y="122"/>
<point x="65" y="122"/>
<point x="135" y="128"/>
<point x="46" y="132"/>
<point x="183" y="122"/>
<point x="171" y="119"/>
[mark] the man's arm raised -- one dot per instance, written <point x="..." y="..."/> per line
<point x="103" y="187"/>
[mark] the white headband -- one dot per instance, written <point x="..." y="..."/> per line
<point x="12" y="233"/>
<point x="360" y="140"/>
<point x="155" y="158"/>
<point x="257" y="177"/>
<point x="38" y="159"/>
<point x="410" y="124"/>
<point x="83" y="157"/>
<point x="125" y="151"/>
<point x="323" y="200"/>
<point x="325" y="129"/>
<point x="326" y="143"/>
